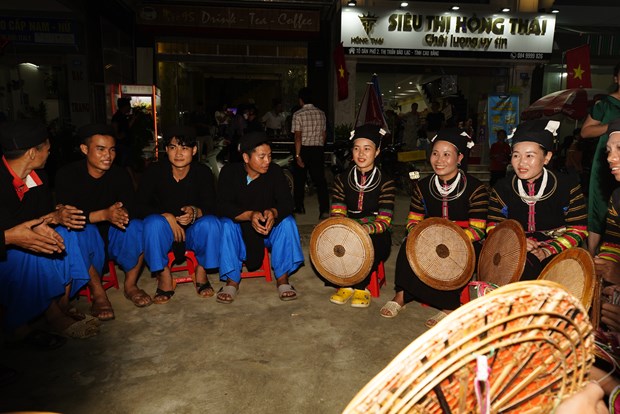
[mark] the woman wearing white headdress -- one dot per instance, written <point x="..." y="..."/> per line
<point x="550" y="206"/>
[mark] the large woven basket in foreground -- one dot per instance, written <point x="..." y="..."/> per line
<point x="539" y="346"/>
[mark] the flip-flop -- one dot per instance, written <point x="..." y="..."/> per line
<point x="285" y="288"/>
<point x="78" y="315"/>
<point x="392" y="307"/>
<point x="162" y="296"/>
<point x="434" y="320"/>
<point x="81" y="330"/>
<point x="201" y="287"/>
<point x="136" y="298"/>
<point x="229" y="290"/>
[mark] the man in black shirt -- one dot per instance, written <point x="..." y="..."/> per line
<point x="104" y="192"/>
<point x="176" y="197"/>
<point x="256" y="204"/>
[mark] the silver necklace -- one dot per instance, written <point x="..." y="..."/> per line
<point x="371" y="182"/>
<point x="531" y="200"/>
<point x="446" y="190"/>
<point x="439" y="193"/>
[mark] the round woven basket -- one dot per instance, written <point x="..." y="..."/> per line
<point x="573" y="269"/>
<point x="341" y="250"/>
<point x="441" y="254"/>
<point x="503" y="254"/>
<point x="535" y="337"/>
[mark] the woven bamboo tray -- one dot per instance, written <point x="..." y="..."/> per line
<point x="503" y="254"/>
<point x="341" y="250"/>
<point x="440" y="254"/>
<point x="538" y="342"/>
<point x="573" y="269"/>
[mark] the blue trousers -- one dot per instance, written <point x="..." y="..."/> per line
<point x="126" y="246"/>
<point x="202" y="237"/>
<point x="283" y="241"/>
<point x="30" y="281"/>
<point x="91" y="248"/>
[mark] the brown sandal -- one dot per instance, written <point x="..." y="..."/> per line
<point x="137" y="297"/>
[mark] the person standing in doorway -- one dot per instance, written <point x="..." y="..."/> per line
<point x="274" y="120"/>
<point x="411" y="121"/>
<point x="435" y="120"/>
<point x="309" y="127"/>
<point x="499" y="155"/>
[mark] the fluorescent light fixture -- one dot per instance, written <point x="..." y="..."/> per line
<point x="404" y="4"/>
<point x="505" y="9"/>
<point x="352" y="3"/>
<point x="455" y="8"/>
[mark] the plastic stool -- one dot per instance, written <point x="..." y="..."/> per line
<point x="190" y="266"/>
<point x="107" y="281"/>
<point x="377" y="279"/>
<point x="263" y="271"/>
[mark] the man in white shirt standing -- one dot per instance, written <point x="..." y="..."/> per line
<point x="274" y="120"/>
<point x="309" y="127"/>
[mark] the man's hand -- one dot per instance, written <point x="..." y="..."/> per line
<point x="187" y="217"/>
<point x="69" y="216"/>
<point x="177" y="230"/>
<point x="35" y="235"/>
<point x="609" y="270"/>
<point x="259" y="223"/>
<point x="117" y="215"/>
<point x="299" y="161"/>
<point x="270" y="216"/>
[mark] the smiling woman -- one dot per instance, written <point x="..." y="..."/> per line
<point x="451" y="194"/>
<point x="549" y="206"/>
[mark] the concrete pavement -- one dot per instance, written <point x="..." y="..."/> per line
<point x="193" y="355"/>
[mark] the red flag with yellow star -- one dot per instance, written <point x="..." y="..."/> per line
<point x="342" y="76"/>
<point x="578" y="67"/>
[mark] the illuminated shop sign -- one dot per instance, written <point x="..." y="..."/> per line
<point x="32" y="30"/>
<point x="230" y="18"/>
<point x="442" y="34"/>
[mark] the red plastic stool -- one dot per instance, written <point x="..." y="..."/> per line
<point x="190" y="266"/>
<point x="107" y="281"/>
<point x="263" y="271"/>
<point x="377" y="279"/>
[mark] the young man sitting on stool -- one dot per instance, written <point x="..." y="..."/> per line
<point x="256" y="205"/>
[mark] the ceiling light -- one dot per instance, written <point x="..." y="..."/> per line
<point x="352" y="3"/>
<point x="505" y="9"/>
<point x="455" y="8"/>
<point x="555" y="11"/>
<point x="404" y="4"/>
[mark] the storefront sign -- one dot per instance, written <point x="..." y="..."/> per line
<point x="454" y="34"/>
<point x="503" y="114"/>
<point x="37" y="30"/>
<point x="230" y="18"/>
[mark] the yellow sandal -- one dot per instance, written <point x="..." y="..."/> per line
<point x="341" y="296"/>
<point x="361" y="298"/>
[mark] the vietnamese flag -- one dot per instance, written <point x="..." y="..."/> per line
<point x="578" y="67"/>
<point x="342" y="76"/>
